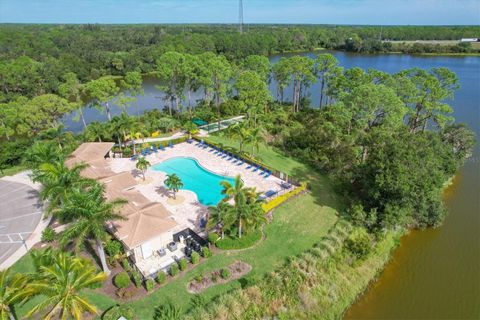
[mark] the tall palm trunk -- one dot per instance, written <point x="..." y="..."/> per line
<point x="10" y="313"/>
<point x="108" y="111"/>
<point x="83" y="118"/>
<point x="101" y="255"/>
<point x="190" y="103"/>
<point x="170" y="106"/>
<point x="239" y="228"/>
<point x="321" y="91"/>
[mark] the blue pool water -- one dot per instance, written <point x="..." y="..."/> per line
<point x="195" y="178"/>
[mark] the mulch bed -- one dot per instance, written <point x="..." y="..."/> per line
<point x="237" y="270"/>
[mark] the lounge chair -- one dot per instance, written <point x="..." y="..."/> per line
<point x="189" y="141"/>
<point x="170" y="144"/>
<point x="263" y="171"/>
<point x="154" y="149"/>
<point x="235" y="159"/>
<point x="270" y="193"/>
<point x="256" y="168"/>
<point x="250" y="165"/>
<point x="134" y="157"/>
<point x="268" y="174"/>
<point x="162" y="147"/>
<point x="241" y="162"/>
<point x="225" y="155"/>
<point x="230" y="156"/>
<point x="286" y="185"/>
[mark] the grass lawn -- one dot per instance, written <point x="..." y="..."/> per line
<point x="11" y="171"/>
<point x="296" y="226"/>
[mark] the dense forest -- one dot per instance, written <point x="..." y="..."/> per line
<point x="35" y="58"/>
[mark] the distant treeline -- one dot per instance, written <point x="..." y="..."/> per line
<point x="34" y="58"/>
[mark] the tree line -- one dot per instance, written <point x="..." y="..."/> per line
<point x="34" y="59"/>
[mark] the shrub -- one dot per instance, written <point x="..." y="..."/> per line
<point x="161" y="277"/>
<point x="214" y="276"/>
<point x="149" y="284"/>
<point x="137" y="279"/>
<point x="48" y="234"/>
<point x="183" y="263"/>
<point x="126" y="293"/>
<point x="127" y="152"/>
<point x="199" y="277"/>
<point x="359" y="243"/>
<point x="213" y="237"/>
<point x="113" y="248"/>
<point x="174" y="270"/>
<point x="115" y="312"/>
<point x="225" y="273"/>
<point x="247" y="240"/>
<point x="121" y="280"/>
<point x="126" y="265"/>
<point x="167" y="311"/>
<point x="206" y="252"/>
<point x="195" y="257"/>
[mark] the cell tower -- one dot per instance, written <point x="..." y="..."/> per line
<point x="240" y="16"/>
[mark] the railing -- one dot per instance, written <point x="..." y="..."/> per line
<point x="221" y="125"/>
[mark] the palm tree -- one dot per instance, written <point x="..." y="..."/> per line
<point x="58" y="181"/>
<point x="135" y="133"/>
<point x="13" y="290"/>
<point x="89" y="213"/>
<point x="56" y="134"/>
<point x="42" y="152"/>
<point x="246" y="205"/>
<point x="121" y="125"/>
<point x="221" y="216"/>
<point x="235" y="192"/>
<point x="174" y="183"/>
<point x="142" y="165"/>
<point x="95" y="130"/>
<point x="239" y="131"/>
<point x="255" y="136"/>
<point x="190" y="128"/>
<point x="60" y="282"/>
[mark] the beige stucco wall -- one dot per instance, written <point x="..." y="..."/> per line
<point x="156" y="243"/>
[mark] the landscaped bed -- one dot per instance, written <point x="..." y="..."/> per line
<point x="234" y="271"/>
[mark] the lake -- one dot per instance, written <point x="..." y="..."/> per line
<point x="435" y="273"/>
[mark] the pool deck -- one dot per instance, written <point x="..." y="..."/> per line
<point x="189" y="213"/>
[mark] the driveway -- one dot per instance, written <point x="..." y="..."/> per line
<point x="20" y="214"/>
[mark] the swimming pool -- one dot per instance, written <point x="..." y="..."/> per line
<point x="204" y="183"/>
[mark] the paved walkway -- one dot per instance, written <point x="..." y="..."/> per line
<point x="21" y="222"/>
<point x="172" y="137"/>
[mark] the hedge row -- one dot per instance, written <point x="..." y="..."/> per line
<point x="282" y="198"/>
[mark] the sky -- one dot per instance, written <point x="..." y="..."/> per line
<point x="430" y="12"/>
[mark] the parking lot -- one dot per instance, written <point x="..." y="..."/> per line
<point x="20" y="213"/>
